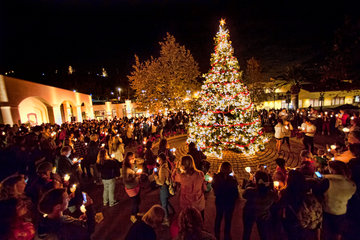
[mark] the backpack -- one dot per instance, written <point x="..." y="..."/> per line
<point x="310" y="212"/>
<point x="171" y="185"/>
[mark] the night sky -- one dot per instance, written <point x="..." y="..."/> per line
<point x="44" y="36"/>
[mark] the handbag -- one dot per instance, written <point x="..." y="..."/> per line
<point x="132" y="192"/>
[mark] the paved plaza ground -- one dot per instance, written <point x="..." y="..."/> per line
<point x="116" y="221"/>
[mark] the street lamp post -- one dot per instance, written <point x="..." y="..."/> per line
<point x="288" y="99"/>
<point x="119" y="98"/>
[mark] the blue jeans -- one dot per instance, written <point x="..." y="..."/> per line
<point x="109" y="189"/>
<point x="164" y="199"/>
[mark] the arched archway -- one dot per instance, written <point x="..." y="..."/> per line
<point x="35" y="110"/>
<point x="68" y="111"/>
<point x="84" y="110"/>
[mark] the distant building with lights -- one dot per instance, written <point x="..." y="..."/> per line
<point x="310" y="95"/>
<point x="28" y="102"/>
<point x="110" y="110"/>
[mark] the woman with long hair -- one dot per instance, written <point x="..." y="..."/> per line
<point x="13" y="187"/>
<point x="226" y="192"/>
<point x="165" y="149"/>
<point x="291" y="200"/>
<point x="145" y="228"/>
<point x="279" y="134"/>
<point x="109" y="170"/>
<point x="150" y="159"/>
<point x="12" y="221"/>
<point x="259" y="199"/>
<point x="162" y="178"/>
<point x="116" y="147"/>
<point x="131" y="181"/>
<point x="191" y="225"/>
<point x="192" y="184"/>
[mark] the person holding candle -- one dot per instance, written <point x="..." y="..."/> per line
<point x="293" y="198"/>
<point x="287" y="128"/>
<point x="280" y="173"/>
<point x="56" y="225"/>
<point x="162" y="177"/>
<point x="226" y="192"/>
<point x="259" y="200"/>
<point x="109" y="170"/>
<point x="279" y="134"/>
<point x="131" y="181"/>
<point x="65" y="164"/>
<point x="309" y="130"/>
<point x="91" y="157"/>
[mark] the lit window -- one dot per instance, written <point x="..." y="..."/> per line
<point x="338" y="101"/>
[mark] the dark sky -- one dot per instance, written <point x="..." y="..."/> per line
<point x="40" y="36"/>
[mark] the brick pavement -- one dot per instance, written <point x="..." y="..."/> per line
<point x="240" y="161"/>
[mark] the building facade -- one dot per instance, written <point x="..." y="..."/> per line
<point x="28" y="102"/>
<point x="307" y="98"/>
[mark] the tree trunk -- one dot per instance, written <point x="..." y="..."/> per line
<point x="295" y="100"/>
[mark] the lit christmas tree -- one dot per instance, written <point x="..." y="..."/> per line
<point x="225" y="117"/>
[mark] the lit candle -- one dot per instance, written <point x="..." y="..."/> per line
<point x="139" y="171"/>
<point x="174" y="149"/>
<point x="346" y="130"/>
<point x="286" y="127"/>
<point x="86" y="144"/>
<point x="333" y="159"/>
<point x="83" y="209"/>
<point x="333" y="147"/>
<point x="248" y="169"/>
<point x="325" y="113"/>
<point x="113" y="155"/>
<point x="73" y="188"/>
<point x="352" y="118"/>
<point x="75" y="160"/>
<point x="329" y="150"/>
<point x="103" y="145"/>
<point x="53" y="170"/>
<point x="66" y="177"/>
<point x="75" y="139"/>
<point x="210" y="179"/>
<point x="276" y="184"/>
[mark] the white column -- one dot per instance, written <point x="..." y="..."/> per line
<point x="6" y="115"/>
<point x="79" y="115"/>
<point x="57" y="115"/>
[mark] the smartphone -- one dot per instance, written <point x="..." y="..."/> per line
<point x="231" y="174"/>
<point x="319" y="175"/>
<point x="26" y="179"/>
<point x="265" y="166"/>
<point x="155" y="169"/>
<point x="84" y="197"/>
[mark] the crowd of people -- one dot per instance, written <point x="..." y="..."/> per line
<point x="44" y="168"/>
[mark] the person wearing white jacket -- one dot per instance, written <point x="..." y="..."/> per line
<point x="279" y="134"/>
<point x="338" y="189"/>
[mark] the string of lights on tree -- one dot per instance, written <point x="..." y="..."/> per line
<point x="225" y="117"/>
